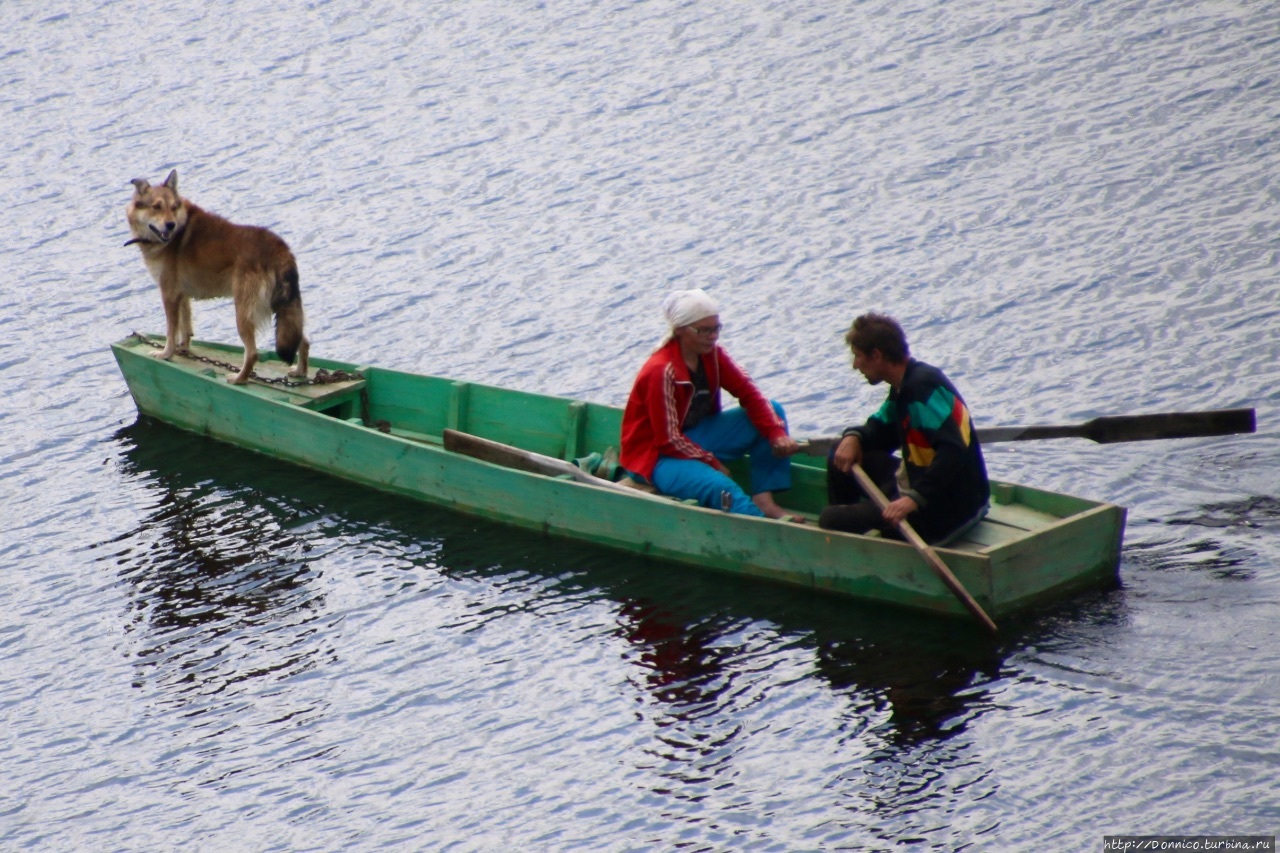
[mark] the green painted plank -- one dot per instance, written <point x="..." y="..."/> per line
<point x="1021" y="517"/>
<point x="575" y="430"/>
<point x="1076" y="552"/>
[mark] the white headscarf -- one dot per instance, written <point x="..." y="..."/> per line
<point x="686" y="307"/>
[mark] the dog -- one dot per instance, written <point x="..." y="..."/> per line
<point x="195" y="254"/>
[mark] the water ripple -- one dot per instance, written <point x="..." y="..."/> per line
<point x="1072" y="209"/>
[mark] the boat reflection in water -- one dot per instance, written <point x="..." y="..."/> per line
<point x="923" y="687"/>
<point x="234" y="620"/>
<point x="223" y="591"/>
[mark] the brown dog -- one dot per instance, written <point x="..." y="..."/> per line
<point x="194" y="254"/>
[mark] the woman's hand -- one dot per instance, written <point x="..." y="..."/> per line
<point x="785" y="446"/>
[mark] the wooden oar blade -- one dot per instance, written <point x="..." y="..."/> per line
<point x="1109" y="429"/>
<point x="1116" y="428"/>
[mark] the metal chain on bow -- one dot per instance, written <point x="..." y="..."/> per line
<point x="321" y="377"/>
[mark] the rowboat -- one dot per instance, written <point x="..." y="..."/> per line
<point x="516" y="458"/>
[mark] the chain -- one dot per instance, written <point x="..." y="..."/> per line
<point x="322" y="376"/>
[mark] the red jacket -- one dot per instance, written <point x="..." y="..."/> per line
<point x="652" y="421"/>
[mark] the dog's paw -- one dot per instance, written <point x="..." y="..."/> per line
<point x="164" y="354"/>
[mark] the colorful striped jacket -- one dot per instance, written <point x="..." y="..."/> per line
<point x="928" y="421"/>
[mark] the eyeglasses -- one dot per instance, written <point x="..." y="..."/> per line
<point x="706" y="331"/>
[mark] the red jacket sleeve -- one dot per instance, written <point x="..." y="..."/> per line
<point x="759" y="410"/>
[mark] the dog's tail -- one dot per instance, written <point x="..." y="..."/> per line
<point x="286" y="304"/>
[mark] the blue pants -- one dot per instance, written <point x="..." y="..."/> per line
<point x="729" y="435"/>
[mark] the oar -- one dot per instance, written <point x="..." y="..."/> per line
<point x="526" y="460"/>
<point x="1108" y="430"/>
<point x="930" y="556"/>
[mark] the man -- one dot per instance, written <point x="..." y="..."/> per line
<point x="926" y="418"/>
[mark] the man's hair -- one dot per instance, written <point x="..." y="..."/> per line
<point x="879" y="332"/>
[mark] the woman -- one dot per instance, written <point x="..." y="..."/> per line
<point x="674" y="434"/>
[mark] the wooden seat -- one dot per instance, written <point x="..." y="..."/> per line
<point x="1003" y="523"/>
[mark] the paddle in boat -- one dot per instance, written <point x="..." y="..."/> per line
<point x="510" y="456"/>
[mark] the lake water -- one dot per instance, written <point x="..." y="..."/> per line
<point x="1072" y="207"/>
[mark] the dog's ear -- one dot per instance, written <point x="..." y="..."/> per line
<point x="172" y="181"/>
<point x="141" y="185"/>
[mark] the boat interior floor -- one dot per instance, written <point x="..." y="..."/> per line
<point x="342" y="398"/>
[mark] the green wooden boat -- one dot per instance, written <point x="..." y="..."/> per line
<point x="386" y="429"/>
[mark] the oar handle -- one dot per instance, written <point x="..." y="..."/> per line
<point x="930" y="556"/>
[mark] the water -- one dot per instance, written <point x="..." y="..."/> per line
<point x="1071" y="207"/>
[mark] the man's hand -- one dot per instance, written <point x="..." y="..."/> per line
<point x="848" y="454"/>
<point x="898" y="510"/>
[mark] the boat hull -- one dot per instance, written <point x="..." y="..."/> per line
<point x="383" y="431"/>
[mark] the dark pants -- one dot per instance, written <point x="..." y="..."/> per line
<point x="849" y="508"/>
